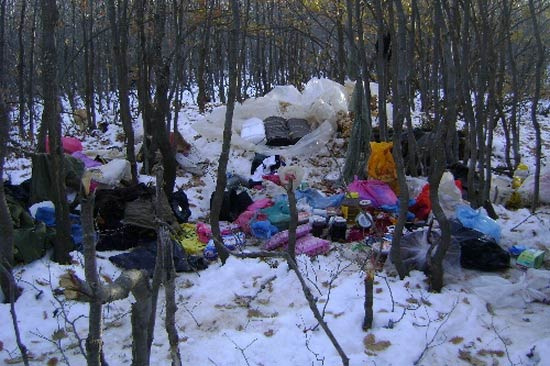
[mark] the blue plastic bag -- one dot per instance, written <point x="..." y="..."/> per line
<point x="475" y="219"/>
<point x="315" y="199"/>
<point x="47" y="216"/>
<point x="263" y="229"/>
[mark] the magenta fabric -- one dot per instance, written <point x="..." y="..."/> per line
<point x="70" y="144"/>
<point x="312" y="246"/>
<point x="378" y="192"/>
<point x="88" y="162"/>
<point x="259" y="204"/>
<point x="281" y="238"/>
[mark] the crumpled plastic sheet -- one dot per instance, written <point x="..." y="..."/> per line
<point x="533" y="285"/>
<point x="319" y="103"/>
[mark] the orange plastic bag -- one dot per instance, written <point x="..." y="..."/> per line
<point x="381" y="165"/>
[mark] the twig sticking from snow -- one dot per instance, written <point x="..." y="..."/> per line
<point x="527" y="218"/>
<point x="192" y="315"/>
<point x="64" y="313"/>
<point x="242" y="349"/>
<point x="318" y="357"/>
<point x="390" y="291"/>
<point x="430" y="344"/>
<point x="56" y="342"/>
<point x="12" y="291"/>
<point x="504" y="343"/>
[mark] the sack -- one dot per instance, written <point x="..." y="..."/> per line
<point x="316" y="199"/>
<point x="381" y="165"/>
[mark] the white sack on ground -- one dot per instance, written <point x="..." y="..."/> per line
<point x="319" y="104"/>
<point x="527" y="188"/>
<point x="112" y="172"/>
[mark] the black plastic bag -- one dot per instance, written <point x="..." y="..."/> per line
<point x="483" y="254"/>
<point x="479" y="251"/>
<point x="180" y="206"/>
<point x="234" y="203"/>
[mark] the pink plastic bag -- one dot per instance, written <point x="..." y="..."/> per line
<point x="70" y="144"/>
<point x="378" y="192"/>
<point x="311" y="245"/>
<point x="281" y="238"/>
<point x="259" y="204"/>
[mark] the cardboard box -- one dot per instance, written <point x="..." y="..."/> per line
<point x="530" y="258"/>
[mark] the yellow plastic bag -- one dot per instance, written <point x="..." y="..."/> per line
<point x="381" y="165"/>
<point x="187" y="237"/>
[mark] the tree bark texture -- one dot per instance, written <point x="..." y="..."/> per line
<point x="50" y="119"/>
<point x="226" y="144"/>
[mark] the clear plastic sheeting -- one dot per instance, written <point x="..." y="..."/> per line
<point x="319" y="104"/>
<point x="532" y="286"/>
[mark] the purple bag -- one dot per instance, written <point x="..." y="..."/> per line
<point x="281" y="237"/>
<point x="88" y="162"/>
<point x="312" y="246"/>
<point x="378" y="192"/>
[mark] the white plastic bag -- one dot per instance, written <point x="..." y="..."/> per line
<point x="112" y="172"/>
<point x="253" y="130"/>
<point x="533" y="285"/>
<point x="528" y="186"/>
<point x="449" y="195"/>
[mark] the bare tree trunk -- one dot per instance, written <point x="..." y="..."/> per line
<point x="170" y="291"/>
<point x="94" y="343"/>
<point x="203" y="97"/>
<point x="50" y="118"/>
<point x="161" y="69"/>
<point x="30" y="81"/>
<point x="88" y="65"/>
<point x="369" y="294"/>
<point x="358" y="148"/>
<point x="382" y="60"/>
<point x="119" y="31"/>
<point x="535" y="102"/>
<point x="6" y="223"/>
<point x="438" y="156"/>
<point x="143" y="86"/>
<point x="21" y="70"/>
<point x="293" y="219"/>
<point x="401" y="106"/>
<point x="11" y="297"/>
<point x="221" y="180"/>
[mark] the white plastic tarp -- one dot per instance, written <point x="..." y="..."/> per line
<point x="319" y="104"/>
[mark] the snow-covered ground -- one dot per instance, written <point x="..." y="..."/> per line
<point x="253" y="312"/>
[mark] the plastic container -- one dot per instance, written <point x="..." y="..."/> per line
<point x="338" y="229"/>
<point x="350" y="207"/>
<point x="318" y="226"/>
